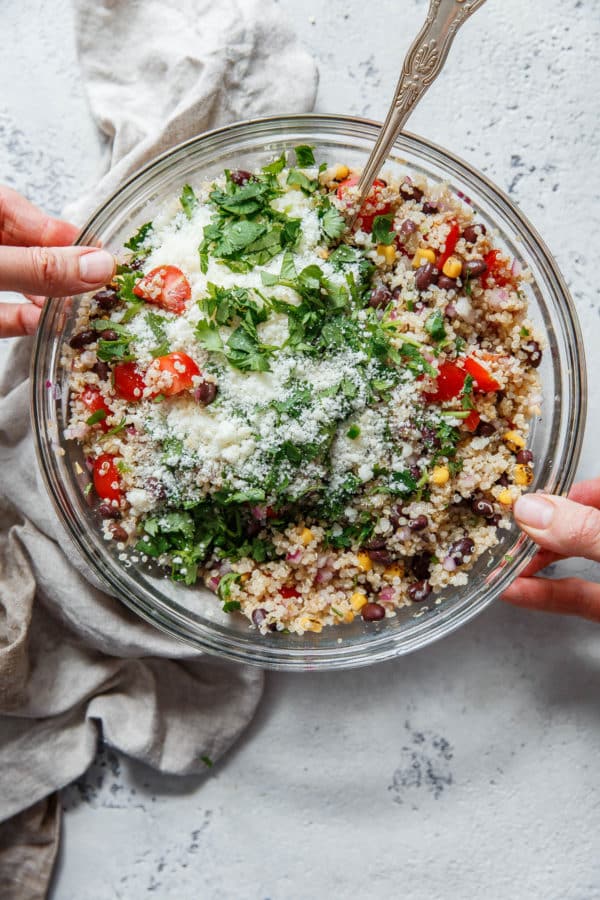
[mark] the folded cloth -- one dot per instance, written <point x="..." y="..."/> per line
<point x="74" y="663"/>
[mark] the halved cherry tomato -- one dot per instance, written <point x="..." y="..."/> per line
<point x="483" y="381"/>
<point x="373" y="205"/>
<point x="106" y="478"/>
<point x="451" y="242"/>
<point x="472" y="420"/>
<point x="182" y="368"/>
<point x="287" y="592"/>
<point x="166" y="286"/>
<point x="449" y="383"/>
<point x="129" y="381"/>
<point x="95" y="402"/>
<point x="497" y="270"/>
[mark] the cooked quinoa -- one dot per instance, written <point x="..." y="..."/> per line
<point x="313" y="420"/>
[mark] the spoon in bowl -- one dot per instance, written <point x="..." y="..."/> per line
<point x="422" y="64"/>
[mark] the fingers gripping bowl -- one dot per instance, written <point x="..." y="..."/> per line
<point x="192" y="613"/>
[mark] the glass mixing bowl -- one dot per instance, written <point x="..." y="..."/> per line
<point x="193" y="614"/>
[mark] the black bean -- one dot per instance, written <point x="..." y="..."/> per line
<point x="108" y="512"/>
<point x="240" y="176"/>
<point x="82" y="339"/>
<point x="381" y="556"/>
<point x="407" y="228"/>
<point x="259" y="616"/>
<point x="524" y="457"/>
<point x="106" y="299"/>
<point x="419" y="591"/>
<point x="372" y="612"/>
<point x="396" y="514"/>
<point x="375" y="544"/>
<point x="482" y="507"/>
<point x="380" y="297"/>
<point x="485" y="429"/>
<point x="136" y="264"/>
<point x="495" y="520"/>
<point x="429" y="209"/>
<point x="102" y="370"/>
<point x="418" y="524"/>
<point x="252" y="528"/>
<point x="109" y="335"/>
<point x="426" y="276"/>
<point x="446" y="284"/>
<point x="430" y="437"/>
<point x="473" y="268"/>
<point x="415" y="472"/>
<point x="462" y="550"/>
<point x="472" y="232"/>
<point x="533" y="352"/>
<point x="420" y="565"/>
<point x="503" y="480"/>
<point x="205" y="393"/>
<point x="410" y="191"/>
<point x="156" y="488"/>
<point x="119" y="533"/>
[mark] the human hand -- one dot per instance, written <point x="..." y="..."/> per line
<point x="35" y="259"/>
<point x="562" y="528"/>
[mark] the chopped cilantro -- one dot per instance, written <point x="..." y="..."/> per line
<point x="188" y="200"/>
<point x="467" y="393"/>
<point x="434" y="325"/>
<point x="307" y="185"/>
<point x="207" y="761"/>
<point x="225" y="585"/>
<point x="96" y="417"/>
<point x="524" y="332"/>
<point x="382" y="231"/>
<point x="333" y="224"/>
<point x="136" y="243"/>
<point x="304" y="155"/>
<point x="353" y="432"/>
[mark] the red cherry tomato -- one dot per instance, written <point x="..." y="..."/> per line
<point x="182" y="368"/>
<point x="373" y="205"/>
<point x="107" y="479"/>
<point x="165" y="286"/>
<point x="451" y="242"/>
<point x="472" y="420"/>
<point x="287" y="592"/>
<point x="483" y="381"/>
<point x="497" y="270"/>
<point x="129" y="381"/>
<point x="449" y="383"/>
<point x="95" y="402"/>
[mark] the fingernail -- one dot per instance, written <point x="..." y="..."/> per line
<point x="533" y="511"/>
<point x="96" y="267"/>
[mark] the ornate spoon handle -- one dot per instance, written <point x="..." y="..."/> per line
<point x="422" y="65"/>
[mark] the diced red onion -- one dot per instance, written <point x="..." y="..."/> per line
<point x="516" y="267"/>
<point x="450" y="311"/>
<point x="323" y="576"/>
<point x="48" y="383"/>
<point x="259" y="513"/>
<point x="294" y="557"/>
<point x="213" y="582"/>
<point x="404" y="533"/>
<point x="449" y="564"/>
<point x="386" y="595"/>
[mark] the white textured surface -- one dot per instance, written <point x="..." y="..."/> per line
<point x="467" y="769"/>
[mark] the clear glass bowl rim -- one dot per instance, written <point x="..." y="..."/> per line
<point x="377" y="647"/>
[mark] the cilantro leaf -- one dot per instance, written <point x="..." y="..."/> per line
<point x="225" y="585"/>
<point x="188" y="200"/>
<point x="207" y="335"/>
<point x="307" y="185"/>
<point x="434" y="325"/>
<point x="135" y="243"/>
<point x="333" y="224"/>
<point x="304" y="155"/>
<point x="382" y="232"/>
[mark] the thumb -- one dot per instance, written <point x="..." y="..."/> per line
<point x="54" y="271"/>
<point x="560" y="525"/>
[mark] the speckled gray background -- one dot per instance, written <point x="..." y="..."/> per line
<point x="471" y="768"/>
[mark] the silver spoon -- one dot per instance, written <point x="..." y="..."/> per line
<point x="422" y="64"/>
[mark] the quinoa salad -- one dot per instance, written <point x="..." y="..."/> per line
<point x="316" y="418"/>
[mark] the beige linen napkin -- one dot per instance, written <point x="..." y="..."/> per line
<point x="75" y="664"/>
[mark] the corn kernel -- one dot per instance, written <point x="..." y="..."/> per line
<point x="505" y="497"/>
<point x="245" y="577"/>
<point x="394" y="571"/>
<point x="523" y="475"/>
<point x="323" y="252"/>
<point x="340" y="172"/>
<point x="514" y="441"/>
<point x="358" y="600"/>
<point x="364" y="562"/>
<point x="452" y="267"/>
<point x="348" y="617"/>
<point x="422" y="256"/>
<point x="388" y="251"/>
<point x="440" y="475"/>
<point x="306" y="536"/>
<point x="307" y="624"/>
